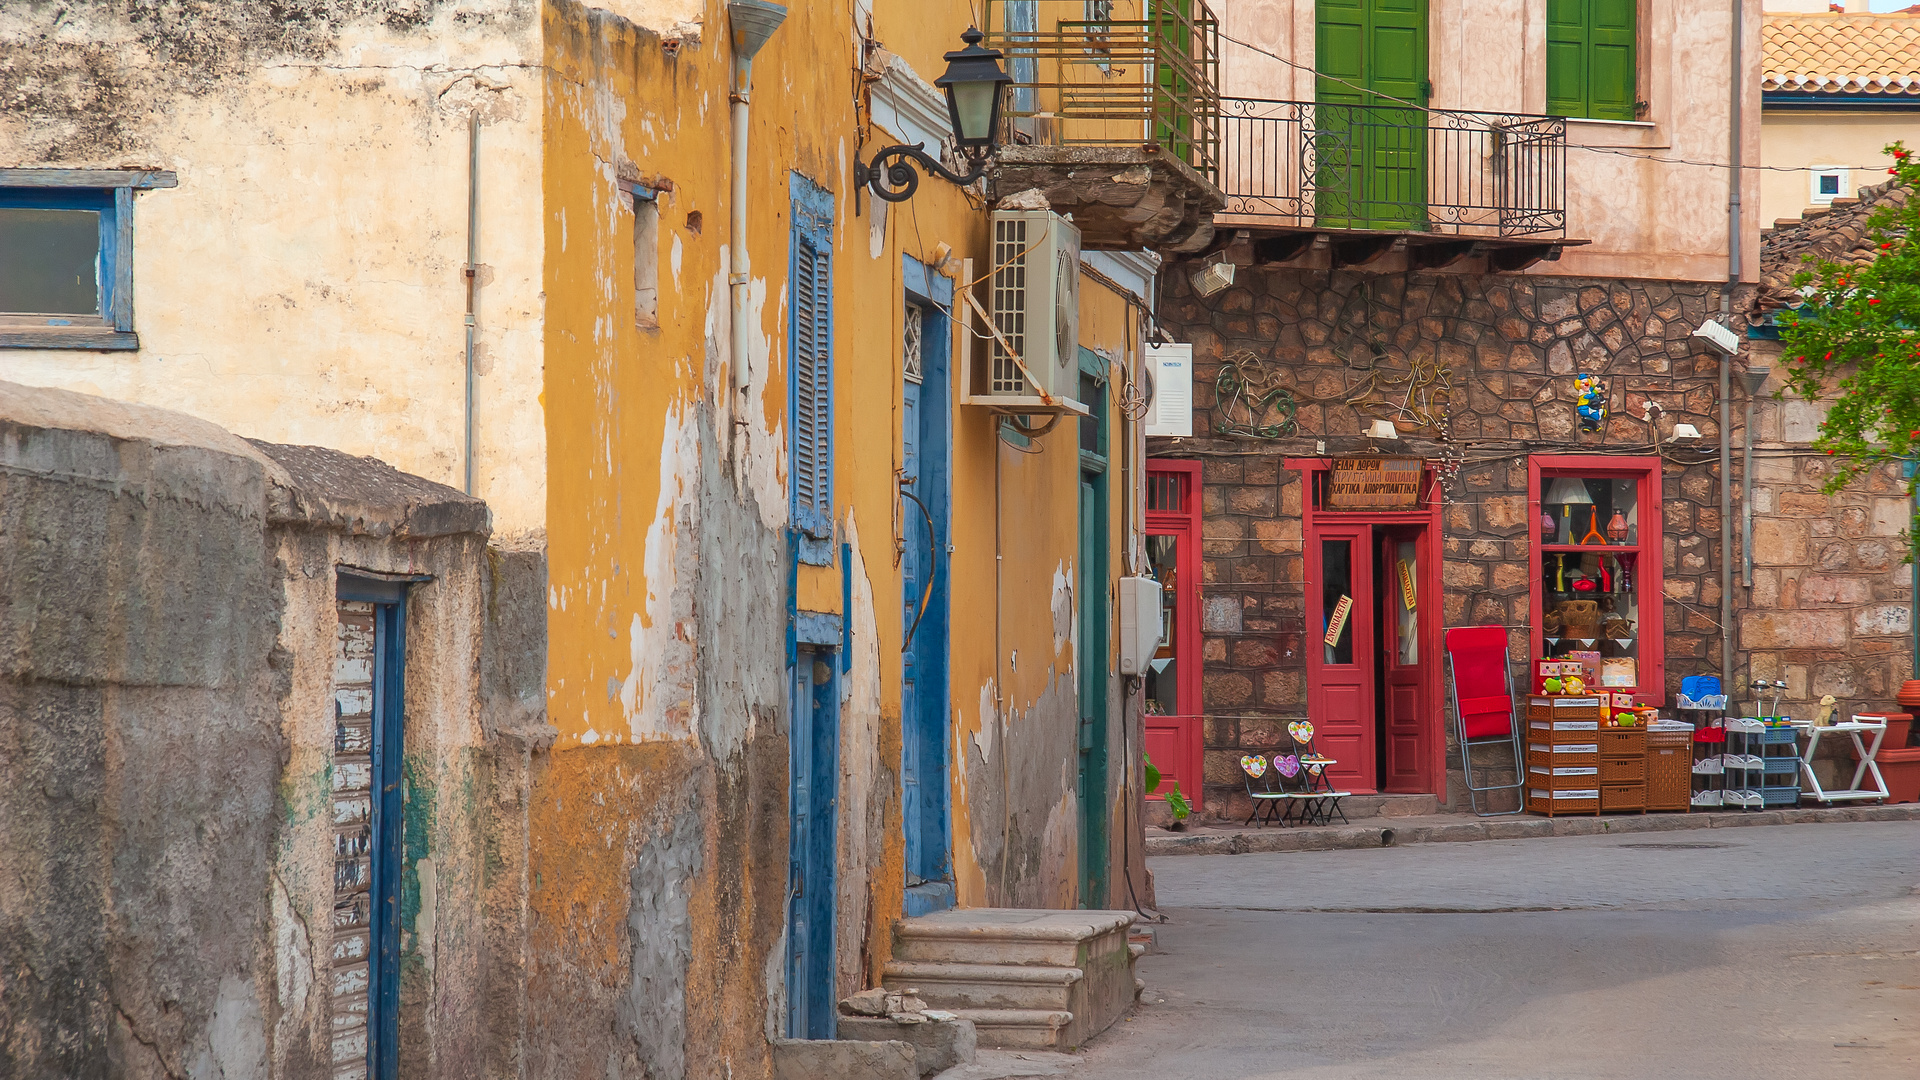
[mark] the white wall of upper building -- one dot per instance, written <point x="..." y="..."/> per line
<point x="1843" y="146"/>
<point x="1645" y="218"/>
<point x="305" y="281"/>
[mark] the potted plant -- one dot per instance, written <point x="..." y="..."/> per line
<point x="1176" y="803"/>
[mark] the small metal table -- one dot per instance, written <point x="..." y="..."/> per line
<point x="1866" y="751"/>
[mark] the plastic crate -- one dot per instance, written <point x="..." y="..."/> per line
<point x="1710" y="797"/>
<point x="1669" y="778"/>
<point x="1776" y="736"/>
<point x="1558" y="754"/>
<point x="1563" y="731"/>
<point x="1669" y="738"/>
<point x="1550" y="707"/>
<point x="1779" y="796"/>
<point x="1623" y="797"/>
<point x="1562" y="778"/>
<point x="1781" y="766"/>
<point x="1622" y="770"/>
<point x="1623" y="741"/>
<point x="1551" y="803"/>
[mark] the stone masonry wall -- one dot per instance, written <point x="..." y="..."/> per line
<point x="1510" y="346"/>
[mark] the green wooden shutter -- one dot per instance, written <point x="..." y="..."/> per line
<point x="1610" y="59"/>
<point x="1591" y="58"/>
<point x="1566" y="57"/>
<point x="1339" y="50"/>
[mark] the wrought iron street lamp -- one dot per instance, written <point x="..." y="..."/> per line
<point x="974" y="83"/>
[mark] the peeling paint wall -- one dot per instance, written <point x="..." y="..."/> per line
<point x="167" y="743"/>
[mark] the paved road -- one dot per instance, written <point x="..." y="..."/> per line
<point x="1745" y="954"/>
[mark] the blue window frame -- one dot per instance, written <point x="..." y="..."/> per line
<point x="66" y="257"/>
<point x="810" y="370"/>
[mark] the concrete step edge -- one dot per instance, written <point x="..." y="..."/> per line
<point x="942" y="971"/>
<point x="1016" y="1018"/>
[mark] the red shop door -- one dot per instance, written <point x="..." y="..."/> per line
<point x="1404" y="725"/>
<point x="1340" y="653"/>
<point x="1172" y="686"/>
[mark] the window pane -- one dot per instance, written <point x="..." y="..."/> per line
<point x="1590" y="603"/>
<point x="1336" y="584"/>
<point x="49" y="262"/>
<point x="1405" y="588"/>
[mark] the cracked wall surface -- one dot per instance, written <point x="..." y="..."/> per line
<point x="167" y="739"/>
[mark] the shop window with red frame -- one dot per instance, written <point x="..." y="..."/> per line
<point x="1596" y="569"/>
<point x="1172" y="684"/>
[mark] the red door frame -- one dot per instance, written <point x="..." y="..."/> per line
<point x="1427" y="551"/>
<point x="1189" y="764"/>
<point x="1649" y="568"/>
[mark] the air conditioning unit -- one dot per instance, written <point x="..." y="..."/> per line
<point x="1036" y="307"/>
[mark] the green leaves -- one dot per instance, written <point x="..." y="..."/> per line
<point x="1176" y="802"/>
<point x="1857" y="342"/>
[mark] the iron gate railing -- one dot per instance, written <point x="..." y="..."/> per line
<point x="1111" y="73"/>
<point x="1393" y="168"/>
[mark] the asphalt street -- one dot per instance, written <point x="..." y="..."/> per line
<point x="1744" y="954"/>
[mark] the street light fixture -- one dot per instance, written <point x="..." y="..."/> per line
<point x="974" y="83"/>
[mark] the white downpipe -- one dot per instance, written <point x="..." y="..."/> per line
<point x="739" y="265"/>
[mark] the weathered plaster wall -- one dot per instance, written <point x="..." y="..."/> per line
<point x="1490" y="56"/>
<point x="1511" y="346"/>
<point x="305" y="282"/>
<point x="168" y="734"/>
<point x="1852" y="140"/>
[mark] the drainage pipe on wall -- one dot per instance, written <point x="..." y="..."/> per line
<point x="1754" y="378"/>
<point x="751" y="23"/>
<point x="473" y="281"/>
<point x="1735" y="146"/>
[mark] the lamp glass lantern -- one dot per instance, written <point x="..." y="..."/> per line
<point x="974" y="82"/>
<point x="1569" y="492"/>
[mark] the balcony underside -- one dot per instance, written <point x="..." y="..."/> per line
<point x="1248" y="241"/>
<point x="1123" y="198"/>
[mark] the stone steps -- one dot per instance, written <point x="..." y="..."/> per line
<point x="1028" y="979"/>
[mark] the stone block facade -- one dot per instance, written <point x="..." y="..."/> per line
<point x="1828" y="609"/>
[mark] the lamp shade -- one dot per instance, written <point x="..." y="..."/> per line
<point x="973" y="83"/>
<point x="1569" y="490"/>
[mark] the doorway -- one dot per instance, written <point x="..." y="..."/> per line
<point x="1172" y="721"/>
<point x="1091" y="662"/>
<point x="1371" y="667"/>
<point x="926" y="515"/>
<point x="813" y="744"/>
<point x="1369" y="142"/>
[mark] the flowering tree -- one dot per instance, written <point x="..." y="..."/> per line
<point x="1857" y="342"/>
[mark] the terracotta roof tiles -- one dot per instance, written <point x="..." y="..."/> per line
<point x="1837" y="234"/>
<point x="1841" y="54"/>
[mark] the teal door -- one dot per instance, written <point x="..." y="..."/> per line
<point x="1370" y="152"/>
<point x="927" y="512"/>
<point x="1090" y="587"/>
<point x="813" y="775"/>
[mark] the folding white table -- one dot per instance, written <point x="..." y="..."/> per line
<point x="1866" y="751"/>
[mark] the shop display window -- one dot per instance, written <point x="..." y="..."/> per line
<point x="1596" y="569"/>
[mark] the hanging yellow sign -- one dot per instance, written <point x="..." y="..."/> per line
<point x="1406" y="584"/>
<point x="1338" y="623"/>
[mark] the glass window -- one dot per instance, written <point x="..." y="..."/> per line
<point x="1590" y="567"/>
<point x="49" y="261"/>
<point x="1406" y="597"/>
<point x="1336" y="599"/>
<point x="1163" y="559"/>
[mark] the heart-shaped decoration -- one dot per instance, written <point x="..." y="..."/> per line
<point x="1254" y="765"/>
<point x="1300" y="731"/>
<point x="1288" y="764"/>
<point x="1315" y="768"/>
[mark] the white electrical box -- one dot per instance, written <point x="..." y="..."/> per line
<point x="1171" y="412"/>
<point x="1140" y="629"/>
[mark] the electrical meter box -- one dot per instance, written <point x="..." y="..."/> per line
<point x="1140" y="628"/>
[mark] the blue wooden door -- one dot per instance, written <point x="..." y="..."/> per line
<point x="926" y="509"/>
<point x="813" y="756"/>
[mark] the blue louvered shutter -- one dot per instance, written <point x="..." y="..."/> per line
<point x="810" y="379"/>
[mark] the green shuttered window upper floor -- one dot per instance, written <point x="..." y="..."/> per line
<point x="1592" y="59"/>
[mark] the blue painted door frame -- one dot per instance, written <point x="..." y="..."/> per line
<point x="927" y="509"/>
<point x="813" y="763"/>
<point x="389" y="600"/>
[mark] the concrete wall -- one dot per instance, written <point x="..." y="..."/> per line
<point x="166" y="709"/>
<point x="1644" y="218"/>
<point x="1855" y="140"/>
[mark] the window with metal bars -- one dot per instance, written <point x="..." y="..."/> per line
<point x="810" y="370"/>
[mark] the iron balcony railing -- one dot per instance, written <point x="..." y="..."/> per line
<point x="1386" y="168"/>
<point x="1112" y="73"/>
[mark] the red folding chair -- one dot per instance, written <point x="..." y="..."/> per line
<point x="1480" y="686"/>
